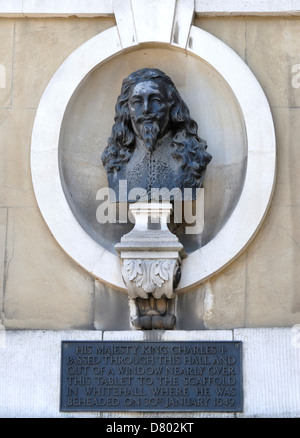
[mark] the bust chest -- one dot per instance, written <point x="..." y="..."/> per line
<point x="148" y="170"/>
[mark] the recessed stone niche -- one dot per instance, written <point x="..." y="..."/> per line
<point x="74" y="120"/>
<point x="87" y="125"/>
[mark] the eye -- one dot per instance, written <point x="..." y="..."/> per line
<point x="135" y="101"/>
<point x="156" y="99"/>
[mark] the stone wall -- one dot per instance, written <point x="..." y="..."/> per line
<point x="44" y="289"/>
<point x="262" y="287"/>
<point x="42" y="286"/>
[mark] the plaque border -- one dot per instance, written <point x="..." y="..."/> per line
<point x="239" y="409"/>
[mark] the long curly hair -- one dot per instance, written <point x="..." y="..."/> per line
<point x="189" y="148"/>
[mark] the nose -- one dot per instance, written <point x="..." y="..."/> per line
<point x="145" y="106"/>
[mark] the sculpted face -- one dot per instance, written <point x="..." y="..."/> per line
<point x="149" y="111"/>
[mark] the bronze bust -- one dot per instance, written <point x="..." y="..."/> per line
<point x="154" y="141"/>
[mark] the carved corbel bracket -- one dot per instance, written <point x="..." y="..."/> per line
<point x="144" y="277"/>
<point x="150" y="259"/>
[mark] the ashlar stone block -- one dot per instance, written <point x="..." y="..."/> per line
<point x="6" y="61"/>
<point x="272" y="53"/>
<point x="286" y="121"/>
<point x="229" y="30"/>
<point x="3" y="221"/>
<point x="47" y="43"/>
<point x="226" y="297"/>
<point x="273" y="280"/>
<point x="44" y="288"/>
<point x="15" y="177"/>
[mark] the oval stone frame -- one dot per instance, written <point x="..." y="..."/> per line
<point x="257" y="191"/>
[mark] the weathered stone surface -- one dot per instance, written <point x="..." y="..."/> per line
<point x="273" y="257"/>
<point x="3" y="220"/>
<point x="46" y="43"/>
<point x="15" y="177"/>
<point x="44" y="288"/>
<point x="220" y="303"/>
<point x="111" y="310"/>
<point x="270" y="372"/>
<point x="272" y="49"/>
<point x="273" y="279"/>
<point x="190" y="309"/>
<point x="226" y="297"/>
<point x="268" y="279"/>
<point x="153" y="20"/>
<point x="30" y="388"/>
<point x="269" y="47"/>
<point x="287" y="127"/>
<point x="6" y="61"/>
<point x="232" y="31"/>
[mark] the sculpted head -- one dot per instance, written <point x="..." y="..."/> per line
<point x="148" y="107"/>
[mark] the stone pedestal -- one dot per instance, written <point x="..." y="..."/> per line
<point x="151" y="257"/>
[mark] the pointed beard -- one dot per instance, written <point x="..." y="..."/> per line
<point x="150" y="133"/>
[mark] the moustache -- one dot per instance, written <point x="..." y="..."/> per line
<point x="149" y="117"/>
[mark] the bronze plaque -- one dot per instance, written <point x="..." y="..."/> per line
<point x="151" y="376"/>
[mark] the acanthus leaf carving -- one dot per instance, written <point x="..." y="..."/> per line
<point x="133" y="268"/>
<point x="147" y="274"/>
